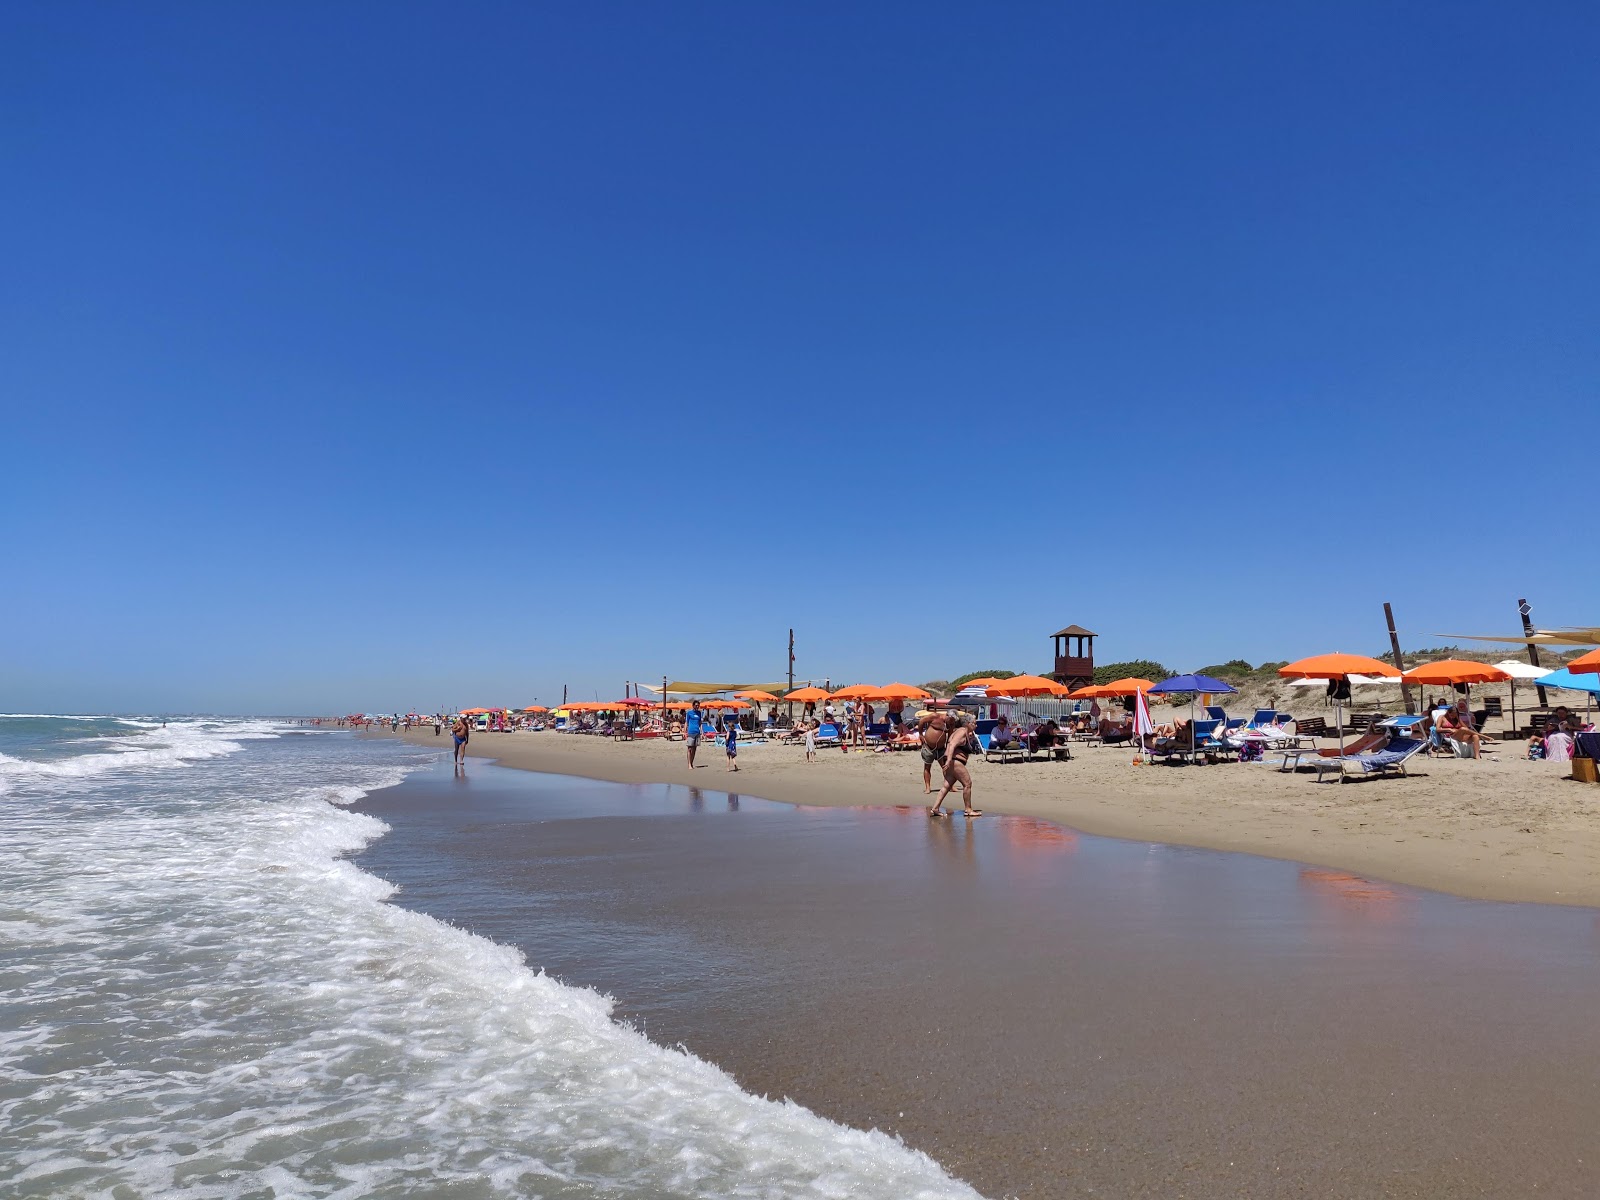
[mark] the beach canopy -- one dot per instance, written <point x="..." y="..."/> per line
<point x="1193" y="683"/>
<point x="758" y="696"/>
<point x="1456" y="670"/>
<point x="807" y="695"/>
<point x="1584" y="664"/>
<point x="1028" y="685"/>
<point x="1565" y="678"/>
<point x="1337" y="666"/>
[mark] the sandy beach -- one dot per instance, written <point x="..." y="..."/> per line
<point x="1505" y="829"/>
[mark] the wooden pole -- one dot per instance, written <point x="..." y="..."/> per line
<point x="791" y="675"/>
<point x="1399" y="659"/>
<point x="1526" y="610"/>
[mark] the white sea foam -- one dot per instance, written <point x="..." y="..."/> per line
<point x="198" y="993"/>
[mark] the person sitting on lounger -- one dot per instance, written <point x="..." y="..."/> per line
<point x="1111" y="732"/>
<point x="1046" y="734"/>
<point x="1003" y="737"/>
<point x="1452" y="723"/>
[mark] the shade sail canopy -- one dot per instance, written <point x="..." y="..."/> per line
<point x="1539" y="637"/>
<point x="1028" y="685"/>
<point x="1456" y="670"/>
<point x="1521" y="670"/>
<point x="1193" y="683"/>
<point x="1336" y="666"/>
<point x="1585" y="664"/>
<point x="1564" y="678"/>
<point x="807" y="695"/>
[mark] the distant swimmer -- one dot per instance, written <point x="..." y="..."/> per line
<point x="460" y="732"/>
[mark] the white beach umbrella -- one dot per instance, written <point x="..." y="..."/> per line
<point x="1518" y="669"/>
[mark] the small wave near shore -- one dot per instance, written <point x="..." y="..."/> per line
<point x="199" y="992"/>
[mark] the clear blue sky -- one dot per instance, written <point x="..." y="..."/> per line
<point x="380" y="354"/>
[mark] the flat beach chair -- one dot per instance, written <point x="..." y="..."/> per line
<point x="993" y="753"/>
<point x="1392" y="757"/>
<point x="828" y="734"/>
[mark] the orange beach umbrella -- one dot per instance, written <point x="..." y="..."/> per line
<point x="758" y="696"/>
<point x="1585" y="664"/>
<point x="807" y="695"/>
<point x="856" y="691"/>
<point x="1456" y="670"/>
<point x="536" y="708"/>
<point x="1337" y="666"/>
<point x="898" y="691"/>
<point x="1126" y="686"/>
<point x="1029" y="685"/>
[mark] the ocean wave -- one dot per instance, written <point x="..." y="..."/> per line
<point x="211" y="998"/>
<point x="176" y="745"/>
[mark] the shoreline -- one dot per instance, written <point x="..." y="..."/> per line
<point x="1511" y="830"/>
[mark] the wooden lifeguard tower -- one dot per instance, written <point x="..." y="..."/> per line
<point x="1076" y="669"/>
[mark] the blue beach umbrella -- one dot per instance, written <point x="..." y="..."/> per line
<point x="1566" y="679"/>
<point x="1192" y="684"/>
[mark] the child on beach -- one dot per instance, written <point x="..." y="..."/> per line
<point x="731" y="741"/>
<point x="811" y="741"/>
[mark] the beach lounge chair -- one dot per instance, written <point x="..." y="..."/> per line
<point x="993" y="753"/>
<point x="828" y="734"/>
<point x="1264" y="716"/>
<point x="1392" y="757"/>
<point x="1217" y="713"/>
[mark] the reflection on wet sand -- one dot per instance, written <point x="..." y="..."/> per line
<point x="1352" y="893"/>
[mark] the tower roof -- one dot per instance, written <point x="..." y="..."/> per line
<point x="1074" y="631"/>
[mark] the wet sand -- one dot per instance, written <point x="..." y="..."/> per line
<point x="1495" y="830"/>
<point x="1046" y="1013"/>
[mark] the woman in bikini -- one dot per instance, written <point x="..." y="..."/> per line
<point x="958" y="746"/>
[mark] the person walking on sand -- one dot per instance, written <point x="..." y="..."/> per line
<point x="731" y="743"/>
<point x="933" y="727"/>
<point x="694" y="723"/>
<point x="460" y="732"/>
<point x="958" y="745"/>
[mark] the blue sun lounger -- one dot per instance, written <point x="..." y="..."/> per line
<point x="1392" y="757"/>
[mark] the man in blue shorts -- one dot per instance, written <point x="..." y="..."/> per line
<point x="693" y="725"/>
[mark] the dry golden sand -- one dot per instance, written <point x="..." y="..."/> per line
<point x="1497" y="830"/>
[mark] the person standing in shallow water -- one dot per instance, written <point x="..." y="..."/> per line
<point x="958" y="745"/>
<point x="460" y="732"/>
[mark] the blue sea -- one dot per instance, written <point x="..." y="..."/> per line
<point x="200" y="995"/>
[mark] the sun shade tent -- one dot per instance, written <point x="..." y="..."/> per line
<point x="711" y="689"/>
<point x="1337" y="666"/>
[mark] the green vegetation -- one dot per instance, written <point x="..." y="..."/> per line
<point x="1235" y="670"/>
<point x="1139" y="668"/>
<point x="949" y="687"/>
